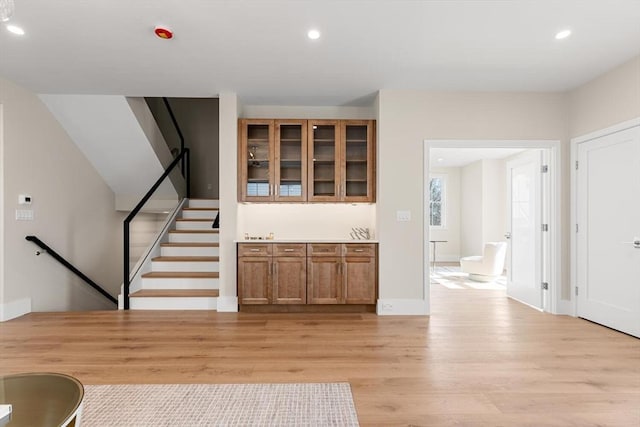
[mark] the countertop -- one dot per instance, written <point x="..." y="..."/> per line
<point x="305" y="241"/>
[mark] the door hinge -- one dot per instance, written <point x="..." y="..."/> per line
<point x="545" y="286"/>
<point x="576" y="228"/>
<point x="545" y="227"/>
<point x="544" y="168"/>
<point x="576" y="165"/>
<point x="576" y="291"/>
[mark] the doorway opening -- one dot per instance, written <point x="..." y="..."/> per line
<point x="495" y="205"/>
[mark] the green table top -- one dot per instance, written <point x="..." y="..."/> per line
<point x="41" y="399"/>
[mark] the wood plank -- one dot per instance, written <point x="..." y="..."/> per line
<point x="181" y="275"/>
<point x="186" y="259"/>
<point x="189" y="245"/>
<point x="480" y="359"/>
<point x="174" y="293"/>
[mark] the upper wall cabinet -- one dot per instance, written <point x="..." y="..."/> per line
<point x="272" y="160"/>
<point x="306" y="160"/>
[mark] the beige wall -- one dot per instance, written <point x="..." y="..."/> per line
<point x="73" y="207"/>
<point x="607" y="100"/>
<point x="494" y="200"/>
<point x="471" y="209"/>
<point x="406" y="119"/>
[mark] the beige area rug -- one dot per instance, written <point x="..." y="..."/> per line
<point x="322" y="404"/>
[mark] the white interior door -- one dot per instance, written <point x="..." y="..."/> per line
<point x="524" y="216"/>
<point x="608" y="213"/>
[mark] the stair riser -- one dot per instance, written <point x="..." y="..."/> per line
<point x="199" y="214"/>
<point x="193" y="238"/>
<point x="169" y="303"/>
<point x="194" y="225"/>
<point x="186" y="266"/>
<point x="189" y="251"/>
<point x="204" y="203"/>
<point x="179" y="283"/>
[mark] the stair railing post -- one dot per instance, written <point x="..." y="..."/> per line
<point x="188" y="177"/>
<point x="125" y="291"/>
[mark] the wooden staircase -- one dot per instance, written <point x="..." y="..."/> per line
<point x="185" y="275"/>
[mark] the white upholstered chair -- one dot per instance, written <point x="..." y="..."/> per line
<point x="487" y="267"/>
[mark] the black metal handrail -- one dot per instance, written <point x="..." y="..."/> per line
<point x="178" y="130"/>
<point x="70" y="266"/>
<point x="136" y="210"/>
<point x="183" y="159"/>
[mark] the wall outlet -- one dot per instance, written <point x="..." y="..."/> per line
<point x="387" y="306"/>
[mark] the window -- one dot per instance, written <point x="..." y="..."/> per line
<point x="437" y="198"/>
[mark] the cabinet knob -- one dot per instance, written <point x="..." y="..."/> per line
<point x="288" y="250"/>
<point x="358" y="250"/>
<point x="255" y="250"/>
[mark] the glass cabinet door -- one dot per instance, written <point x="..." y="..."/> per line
<point x="258" y="160"/>
<point x="357" y="160"/>
<point x="291" y="160"/>
<point x="324" y="171"/>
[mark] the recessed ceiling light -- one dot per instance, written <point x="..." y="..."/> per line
<point x="15" y="30"/>
<point x="313" y="34"/>
<point x="563" y="34"/>
<point x="440" y="160"/>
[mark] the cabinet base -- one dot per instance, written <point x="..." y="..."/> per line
<point x="307" y="308"/>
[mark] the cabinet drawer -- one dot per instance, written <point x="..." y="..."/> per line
<point x="290" y="249"/>
<point x="360" y="249"/>
<point x="324" y="249"/>
<point x="254" y="249"/>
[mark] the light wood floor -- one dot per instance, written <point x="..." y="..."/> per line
<point x="480" y="359"/>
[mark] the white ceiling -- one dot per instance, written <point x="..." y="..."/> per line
<point x="259" y="48"/>
<point x="458" y="157"/>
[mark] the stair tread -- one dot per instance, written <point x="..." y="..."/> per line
<point x="186" y="259"/>
<point x="176" y="293"/>
<point x="200" y="209"/>
<point x="196" y="219"/>
<point x="182" y="275"/>
<point x="189" y="245"/>
<point x="212" y="231"/>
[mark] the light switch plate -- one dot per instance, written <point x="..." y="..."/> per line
<point x="403" y="216"/>
<point x="24" y="215"/>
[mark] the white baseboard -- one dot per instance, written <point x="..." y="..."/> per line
<point x="402" y="307"/>
<point x="565" y="307"/>
<point x="13" y="309"/>
<point x="228" y="304"/>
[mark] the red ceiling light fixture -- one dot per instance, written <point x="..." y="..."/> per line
<point x="163" y="33"/>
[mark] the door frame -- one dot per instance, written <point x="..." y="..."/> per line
<point x="552" y="298"/>
<point x="573" y="264"/>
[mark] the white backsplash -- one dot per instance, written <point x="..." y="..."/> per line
<point x="304" y="220"/>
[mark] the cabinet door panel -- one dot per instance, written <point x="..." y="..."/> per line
<point x="254" y="280"/>
<point x="324" y="160"/>
<point x="256" y="159"/>
<point x="324" y="280"/>
<point x="290" y="280"/>
<point x="357" y="161"/>
<point x="291" y="161"/>
<point x="360" y="278"/>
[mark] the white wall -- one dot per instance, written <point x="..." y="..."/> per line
<point x="494" y="200"/>
<point x="406" y="119"/>
<point x="471" y="209"/>
<point x="450" y="251"/>
<point x="73" y="208"/>
<point x="228" y="129"/>
<point x="304" y="220"/>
